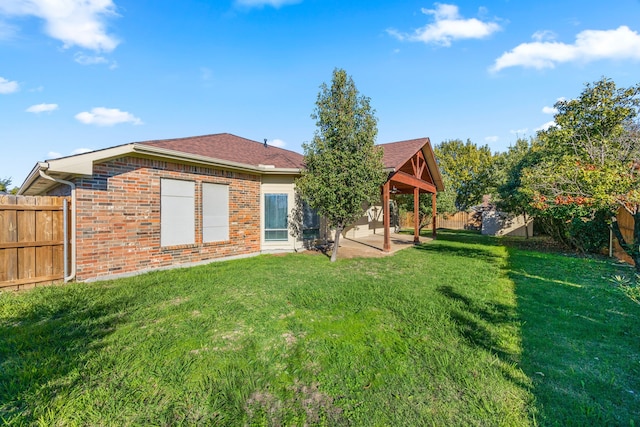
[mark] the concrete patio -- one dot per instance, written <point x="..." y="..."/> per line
<point x="371" y="246"/>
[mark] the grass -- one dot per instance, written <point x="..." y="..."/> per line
<point x="461" y="331"/>
<point x="580" y="340"/>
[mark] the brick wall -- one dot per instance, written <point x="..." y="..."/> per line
<point x="118" y="217"/>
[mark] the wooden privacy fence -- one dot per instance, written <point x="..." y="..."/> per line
<point x="625" y="222"/>
<point x="31" y="241"/>
<point x="457" y="221"/>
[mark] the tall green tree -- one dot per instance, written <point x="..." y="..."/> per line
<point x="343" y="167"/>
<point x="468" y="169"/>
<point x="591" y="159"/>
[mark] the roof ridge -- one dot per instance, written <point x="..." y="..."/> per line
<point x="406" y="140"/>
<point x="215" y="135"/>
<point x="227" y="146"/>
<point x="180" y="138"/>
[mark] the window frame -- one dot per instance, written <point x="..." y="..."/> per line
<point x="215" y="212"/>
<point x="177" y="212"/>
<point x="282" y="237"/>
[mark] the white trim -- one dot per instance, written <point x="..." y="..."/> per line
<point x="277" y="185"/>
<point x="82" y="164"/>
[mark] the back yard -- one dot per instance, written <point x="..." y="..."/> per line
<point x="460" y="331"/>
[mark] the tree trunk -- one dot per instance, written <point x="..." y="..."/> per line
<point x="336" y="244"/>
<point x="526" y="226"/>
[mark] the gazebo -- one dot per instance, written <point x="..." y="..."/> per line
<point x="412" y="169"/>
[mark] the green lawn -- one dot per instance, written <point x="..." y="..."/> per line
<point x="460" y="331"/>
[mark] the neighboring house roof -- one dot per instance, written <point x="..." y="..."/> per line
<point x="397" y="154"/>
<point x="219" y="150"/>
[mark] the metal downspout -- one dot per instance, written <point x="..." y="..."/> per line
<point x="72" y="274"/>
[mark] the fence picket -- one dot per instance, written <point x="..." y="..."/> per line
<point x="457" y="221"/>
<point x="625" y="222"/>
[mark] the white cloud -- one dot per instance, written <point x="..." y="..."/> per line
<point x="261" y="3"/>
<point x="55" y="154"/>
<point x="81" y="150"/>
<point x="519" y="131"/>
<point x="7" y="86"/>
<point x="206" y="74"/>
<point x="546" y="126"/>
<point x="544" y="35"/>
<point x="590" y="45"/>
<point x="83" y="59"/>
<point x="101" y="116"/>
<point x="207" y="78"/>
<point x="277" y="143"/>
<point x="448" y="26"/>
<point x="7" y="31"/>
<point x="74" y="22"/>
<point x="492" y="138"/>
<point x="549" y="110"/>
<point x="42" y="108"/>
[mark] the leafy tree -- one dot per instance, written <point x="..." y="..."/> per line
<point x="445" y="204"/>
<point x="512" y="197"/>
<point x="343" y="168"/>
<point x="468" y="169"/>
<point x="591" y="159"/>
<point x="4" y="184"/>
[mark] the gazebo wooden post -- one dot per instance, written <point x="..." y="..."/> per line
<point x="385" y="216"/>
<point x="416" y="215"/>
<point x="435" y="215"/>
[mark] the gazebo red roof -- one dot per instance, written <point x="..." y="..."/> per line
<point x="398" y="153"/>
<point x="398" y="157"/>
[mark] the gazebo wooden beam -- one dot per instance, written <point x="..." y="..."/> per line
<point x="416" y="215"/>
<point x="405" y="178"/>
<point x="418" y="163"/>
<point x="435" y="215"/>
<point x="386" y="188"/>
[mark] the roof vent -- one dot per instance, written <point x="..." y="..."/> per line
<point x="265" y="143"/>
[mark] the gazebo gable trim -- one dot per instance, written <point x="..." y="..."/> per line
<point x="398" y="154"/>
<point x="420" y="167"/>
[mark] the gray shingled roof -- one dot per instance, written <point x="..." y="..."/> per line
<point x="225" y="146"/>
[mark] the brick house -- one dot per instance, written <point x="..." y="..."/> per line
<point x="156" y="204"/>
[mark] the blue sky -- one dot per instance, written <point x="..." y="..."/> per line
<point x="87" y="74"/>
